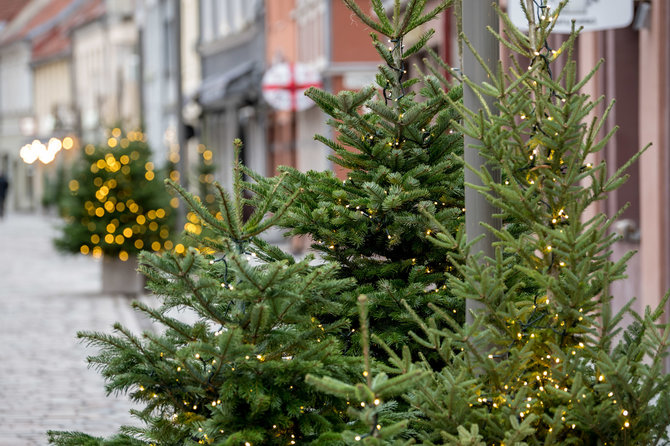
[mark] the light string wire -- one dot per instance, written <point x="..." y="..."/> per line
<point x="537" y="315"/>
<point x="401" y="70"/>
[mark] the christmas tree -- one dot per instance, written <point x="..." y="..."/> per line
<point x="117" y="205"/>
<point x="235" y="374"/>
<point x="206" y="193"/>
<point x="553" y="366"/>
<point x="205" y="173"/>
<point x="397" y="143"/>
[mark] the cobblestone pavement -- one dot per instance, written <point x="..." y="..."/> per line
<point x="45" y="298"/>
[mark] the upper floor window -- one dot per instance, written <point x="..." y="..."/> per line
<point x="311" y="19"/>
<point x="220" y="18"/>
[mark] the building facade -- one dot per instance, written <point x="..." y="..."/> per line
<point x="232" y="52"/>
<point x="636" y="72"/>
<point x="324" y="37"/>
<point x="159" y="58"/>
<point x="68" y="69"/>
<point x="105" y="70"/>
<point x="18" y="120"/>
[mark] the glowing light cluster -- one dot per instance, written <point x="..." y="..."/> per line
<point x="46" y="153"/>
<point x="114" y="204"/>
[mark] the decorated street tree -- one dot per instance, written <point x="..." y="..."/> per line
<point x="238" y="329"/>
<point x="205" y="173"/>
<point x="397" y="143"/>
<point x="117" y="205"/>
<point x="206" y="193"/>
<point x="554" y="366"/>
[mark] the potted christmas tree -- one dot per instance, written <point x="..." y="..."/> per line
<point x="117" y="206"/>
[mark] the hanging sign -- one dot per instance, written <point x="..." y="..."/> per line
<point x="593" y="15"/>
<point x="284" y="86"/>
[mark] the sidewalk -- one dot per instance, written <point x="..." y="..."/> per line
<point x="45" y="298"/>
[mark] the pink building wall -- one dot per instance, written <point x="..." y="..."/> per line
<point x="636" y="73"/>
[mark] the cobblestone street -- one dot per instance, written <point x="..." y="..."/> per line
<point x="45" y="298"/>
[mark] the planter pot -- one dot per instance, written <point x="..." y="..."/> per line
<point x="119" y="277"/>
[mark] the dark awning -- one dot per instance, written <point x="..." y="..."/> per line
<point x="215" y="89"/>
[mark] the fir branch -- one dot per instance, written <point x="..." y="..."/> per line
<point x="231" y="218"/>
<point x="384" y="27"/>
<point x="195" y="205"/>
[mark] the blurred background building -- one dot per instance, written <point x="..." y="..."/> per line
<point x="190" y="74"/>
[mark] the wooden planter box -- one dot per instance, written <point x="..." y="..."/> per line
<point x="119" y="277"/>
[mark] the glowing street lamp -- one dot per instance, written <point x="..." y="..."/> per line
<point x="54" y="145"/>
<point x="46" y="155"/>
<point x="30" y="153"/>
<point x="27" y="154"/>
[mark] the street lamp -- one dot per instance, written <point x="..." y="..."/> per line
<point x="46" y="153"/>
<point x="31" y="152"/>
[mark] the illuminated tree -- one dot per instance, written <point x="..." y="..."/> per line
<point x="396" y="141"/>
<point x="205" y="174"/>
<point x="206" y="194"/>
<point x="117" y="205"/>
<point x="233" y="371"/>
<point x="547" y="360"/>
